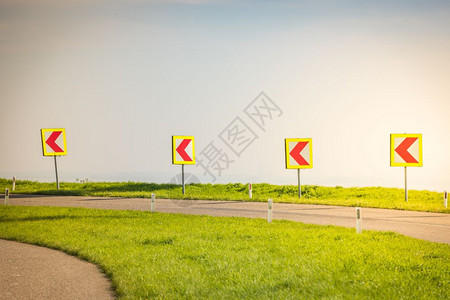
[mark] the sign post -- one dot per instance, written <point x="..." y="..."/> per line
<point x="406" y="151"/>
<point x="182" y="179"/>
<point x="298" y="156"/>
<point x="406" y="185"/>
<point x="183" y="153"/>
<point x="54" y="144"/>
<point x="56" y="172"/>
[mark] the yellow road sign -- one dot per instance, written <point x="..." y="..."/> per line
<point x="406" y="150"/>
<point x="183" y="150"/>
<point x="54" y="141"/>
<point x="299" y="154"/>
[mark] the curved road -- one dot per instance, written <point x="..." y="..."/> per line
<point x="433" y="227"/>
<point x="32" y="272"/>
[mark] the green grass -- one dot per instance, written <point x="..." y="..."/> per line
<point x="378" y="197"/>
<point x="179" y="256"/>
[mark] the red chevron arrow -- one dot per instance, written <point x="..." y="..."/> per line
<point x="402" y="150"/>
<point x="181" y="149"/>
<point x="295" y="153"/>
<point x="51" y="141"/>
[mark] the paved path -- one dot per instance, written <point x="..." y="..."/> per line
<point x="428" y="226"/>
<point x="32" y="272"/>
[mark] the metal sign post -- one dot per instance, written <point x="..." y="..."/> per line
<point x="406" y="186"/>
<point x="56" y="172"/>
<point x="182" y="178"/>
<point x="299" y="184"/>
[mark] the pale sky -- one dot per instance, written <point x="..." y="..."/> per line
<point x="122" y="77"/>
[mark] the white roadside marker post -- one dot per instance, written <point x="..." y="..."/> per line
<point x="152" y="205"/>
<point x="269" y="211"/>
<point x="358" y="220"/>
<point x="14" y="183"/>
<point x="6" y="196"/>
<point x="445" y="199"/>
<point x="250" y="190"/>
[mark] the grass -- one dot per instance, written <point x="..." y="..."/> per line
<point x="378" y="197"/>
<point x="179" y="256"/>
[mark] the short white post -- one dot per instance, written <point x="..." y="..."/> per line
<point x="250" y="190"/>
<point x="269" y="211"/>
<point x="152" y="205"/>
<point x="14" y="183"/>
<point x="358" y="220"/>
<point x="6" y="196"/>
<point x="445" y="199"/>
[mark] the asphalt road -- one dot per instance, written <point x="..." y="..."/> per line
<point x="422" y="225"/>
<point x="32" y="272"/>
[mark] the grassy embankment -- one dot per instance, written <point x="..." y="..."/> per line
<point x="179" y="256"/>
<point x="379" y="197"/>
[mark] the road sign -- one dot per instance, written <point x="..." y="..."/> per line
<point x="406" y="150"/>
<point x="183" y="150"/>
<point x="54" y="141"/>
<point x="298" y="153"/>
